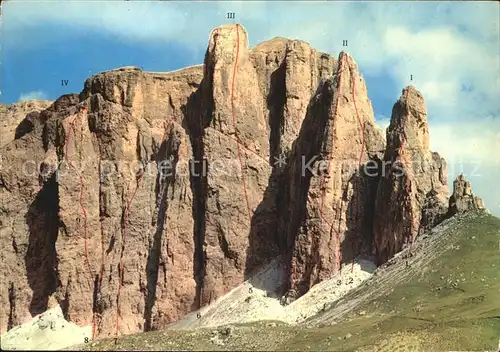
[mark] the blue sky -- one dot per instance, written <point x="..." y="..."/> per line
<point x="450" y="48"/>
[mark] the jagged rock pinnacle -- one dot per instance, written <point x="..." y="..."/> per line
<point x="463" y="200"/>
<point x="412" y="193"/>
<point x="409" y="121"/>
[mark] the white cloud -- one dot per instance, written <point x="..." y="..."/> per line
<point x="471" y="148"/>
<point x="134" y="21"/>
<point x="475" y="140"/>
<point x="188" y="23"/>
<point x="383" y="121"/>
<point x="442" y="63"/>
<point x="35" y="95"/>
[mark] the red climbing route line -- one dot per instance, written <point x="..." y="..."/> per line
<point x="244" y="147"/>
<point x="80" y="175"/>
<point x="229" y="137"/>
<point x="403" y="140"/>
<point x="401" y="153"/>
<point x="322" y="216"/>
<point x="361" y="128"/>
<point x="120" y="265"/>
<point x="101" y="271"/>
<point x="239" y="145"/>
<point x="71" y="128"/>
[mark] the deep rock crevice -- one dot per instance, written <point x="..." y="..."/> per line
<point x="169" y="155"/>
<point x="41" y="257"/>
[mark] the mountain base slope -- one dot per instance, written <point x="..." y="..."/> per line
<point x="445" y="298"/>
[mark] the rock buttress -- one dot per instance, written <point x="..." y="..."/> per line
<point x="79" y="217"/>
<point x="412" y="192"/>
<point x="254" y="104"/>
<point x="232" y="151"/>
<point x="29" y="223"/>
<point x="328" y="221"/>
<point x="144" y="242"/>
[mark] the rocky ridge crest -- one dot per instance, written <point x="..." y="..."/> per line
<point x="462" y="199"/>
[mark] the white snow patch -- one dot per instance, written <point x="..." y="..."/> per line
<point x="46" y="331"/>
<point x="254" y="300"/>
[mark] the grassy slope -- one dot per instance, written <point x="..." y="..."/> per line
<point x="450" y="302"/>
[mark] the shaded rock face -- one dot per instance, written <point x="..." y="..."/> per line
<point x="19" y="118"/>
<point x="149" y="195"/>
<point x="329" y="215"/>
<point x="463" y="200"/>
<point x="412" y="194"/>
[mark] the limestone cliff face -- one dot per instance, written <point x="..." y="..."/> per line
<point x="412" y="194"/>
<point x="149" y="195"/>
<point x="76" y="218"/>
<point x="328" y="219"/>
<point x="229" y="132"/>
<point x="17" y="119"/>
